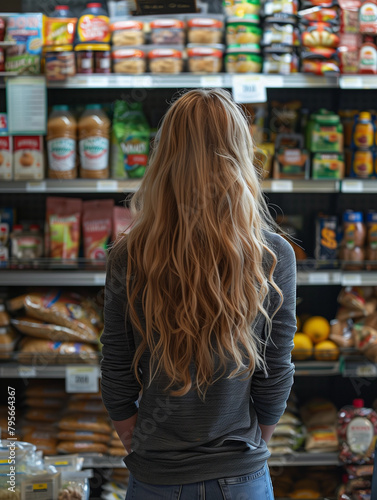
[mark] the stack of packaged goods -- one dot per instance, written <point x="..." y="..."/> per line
<point x="45" y="401"/>
<point x="357" y="431"/>
<point x="116" y="447"/>
<point x="319" y="417"/>
<point x="116" y="488"/>
<point x="355" y="324"/>
<point x="58" y="327"/>
<point x="85" y="426"/>
<point x="319" y="24"/>
<point x="305" y="482"/>
<point x="289" y="434"/>
<point x="8" y="337"/>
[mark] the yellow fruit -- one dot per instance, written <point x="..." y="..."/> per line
<point x="326" y="351"/>
<point x="298" y="322"/>
<point x="318" y="328"/>
<point x="303" y="348"/>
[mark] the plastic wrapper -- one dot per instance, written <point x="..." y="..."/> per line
<point x="318" y="412"/>
<point x="203" y="60"/>
<point x="65" y="309"/>
<point x="96" y="223"/>
<point x="320" y="61"/>
<point x="63" y="216"/>
<point x="127" y="32"/>
<point x="321" y="439"/>
<point x="355" y="298"/>
<point x="205" y="30"/>
<point x="365" y="338"/>
<point x="46" y="352"/>
<point x="341" y="332"/>
<point x="38" y="329"/>
<point x="82" y="422"/>
<point x="165" y="60"/>
<point x="167" y="32"/>
<point x="81" y="447"/>
<point x="320" y="35"/>
<point x="8" y="341"/>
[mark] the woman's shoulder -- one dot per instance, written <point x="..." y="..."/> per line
<point x="281" y="247"/>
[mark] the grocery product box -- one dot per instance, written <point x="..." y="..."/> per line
<point x="6" y="158"/>
<point x="28" y="157"/>
<point x="27" y="31"/>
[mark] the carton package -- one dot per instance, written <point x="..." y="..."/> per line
<point x="27" y="31"/>
<point x="6" y="158"/>
<point x="28" y="157"/>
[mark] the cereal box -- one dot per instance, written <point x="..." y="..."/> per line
<point x="27" y="31"/>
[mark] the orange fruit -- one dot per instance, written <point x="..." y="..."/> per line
<point x="303" y="348"/>
<point x="317" y="328"/>
<point x="326" y="351"/>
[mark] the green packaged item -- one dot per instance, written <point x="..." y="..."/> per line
<point x="243" y="59"/>
<point x="130" y="141"/>
<point x="328" y="166"/>
<point x="325" y="132"/>
<point x="243" y="31"/>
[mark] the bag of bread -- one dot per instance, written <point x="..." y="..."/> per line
<point x="41" y="415"/>
<point x="117" y="452"/>
<point x="44" y="441"/>
<point x="87" y="406"/>
<point x="8" y="341"/>
<point x="341" y="332"/>
<point x="46" y="352"/>
<point x="45" y="403"/>
<point x="344" y="314"/>
<point x="355" y="297"/>
<point x="322" y="438"/>
<point x="41" y="330"/>
<point x="317" y="412"/>
<point x="365" y="338"/>
<point x="97" y="228"/>
<point x="81" y="447"/>
<point x="85" y="422"/>
<point x="64" y="309"/>
<point x="63" y="216"/>
<point x="95" y="437"/>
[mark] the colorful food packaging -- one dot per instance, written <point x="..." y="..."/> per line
<point x="59" y="31"/>
<point x="127" y="32"/>
<point x="167" y="32"/>
<point x="122" y="221"/>
<point x="131" y="139"/>
<point x="28" y="157"/>
<point x="241" y="59"/>
<point x="6" y="158"/>
<point x="44" y="352"/>
<point x="328" y="166"/>
<point x="326" y="248"/>
<point x="291" y="159"/>
<point x="322" y="439"/>
<point x="241" y="8"/>
<point x="63" y="216"/>
<point x="97" y="228"/>
<point x="27" y="31"/>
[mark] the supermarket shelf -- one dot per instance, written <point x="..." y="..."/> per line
<point x="188" y="80"/>
<point x="317" y="368"/>
<point x="358" y="82"/>
<point x="358" y="185"/>
<point x="293" y="459"/>
<point x="319" y="277"/>
<point x="19" y="277"/>
<point x="358" y="366"/>
<point x="130" y="186"/>
<point x="70" y="186"/>
<point x="15" y="370"/>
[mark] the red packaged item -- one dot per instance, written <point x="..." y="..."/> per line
<point x="320" y="35"/>
<point x="63" y="216"/>
<point x="368" y="17"/>
<point x="368" y="57"/>
<point x="122" y="221"/>
<point x="2" y="29"/>
<point x="2" y="59"/>
<point x="349" y="19"/>
<point x="319" y="15"/>
<point x="357" y="432"/>
<point x="320" y="61"/>
<point x="97" y="228"/>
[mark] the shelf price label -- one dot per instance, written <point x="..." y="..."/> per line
<point x="82" y="379"/>
<point x="350" y="279"/>
<point x="351" y="82"/>
<point x="281" y="186"/>
<point x="249" y="89"/>
<point x="366" y="370"/>
<point x="319" y="278"/>
<point x="352" y="186"/>
<point x="27" y="371"/>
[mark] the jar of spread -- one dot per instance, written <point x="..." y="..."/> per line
<point x="371" y="253"/>
<point x="59" y="62"/>
<point x="93" y="58"/>
<point x="167" y="32"/>
<point x="102" y="60"/>
<point x="94" y="136"/>
<point x="354" y="233"/>
<point x="364" y="131"/>
<point x="61" y="144"/>
<point x="205" y="30"/>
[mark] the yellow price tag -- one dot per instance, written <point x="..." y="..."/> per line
<point x="40" y="486"/>
<point x="61" y="463"/>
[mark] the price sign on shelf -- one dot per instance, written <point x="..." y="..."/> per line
<point x="249" y="89"/>
<point x="82" y="379"/>
<point x="366" y="370"/>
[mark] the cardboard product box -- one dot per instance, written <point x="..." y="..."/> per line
<point x="6" y="158"/>
<point x="28" y="158"/>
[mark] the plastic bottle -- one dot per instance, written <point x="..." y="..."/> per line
<point x="62" y="11"/>
<point x="363" y="132"/>
<point x="94" y="135"/>
<point x="61" y="144"/>
<point x="354" y="232"/>
<point x="368" y="57"/>
<point x="93" y="25"/>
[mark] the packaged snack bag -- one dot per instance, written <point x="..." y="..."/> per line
<point x="132" y="134"/>
<point x="122" y="221"/>
<point x="63" y="216"/>
<point x="97" y="228"/>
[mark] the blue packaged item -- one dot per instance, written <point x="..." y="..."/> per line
<point x="326" y="248"/>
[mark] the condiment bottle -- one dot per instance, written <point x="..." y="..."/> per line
<point x="93" y="25"/>
<point x="94" y="135"/>
<point x="368" y="57"/>
<point x="354" y="233"/>
<point x="364" y="131"/>
<point x="61" y="11"/>
<point x="61" y="144"/>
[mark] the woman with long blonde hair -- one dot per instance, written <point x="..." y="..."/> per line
<point x="199" y="314"/>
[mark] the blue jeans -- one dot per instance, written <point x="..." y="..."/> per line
<point x="254" y="486"/>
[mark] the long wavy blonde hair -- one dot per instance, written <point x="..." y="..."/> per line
<point x="196" y="251"/>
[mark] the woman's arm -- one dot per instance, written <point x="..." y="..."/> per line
<point x="270" y="392"/>
<point x="119" y="386"/>
<point x="267" y="431"/>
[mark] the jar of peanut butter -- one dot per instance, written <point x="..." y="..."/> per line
<point x="94" y="135"/>
<point x="61" y="144"/>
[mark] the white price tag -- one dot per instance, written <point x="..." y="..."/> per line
<point x="351" y="82"/>
<point x="27" y="371"/>
<point x="98" y="81"/>
<point x="282" y="186"/>
<point x="37" y="187"/>
<point x="366" y="370"/>
<point x="349" y="279"/>
<point x="143" y="82"/>
<point x="249" y="89"/>
<point x="352" y="186"/>
<point x="81" y="379"/>
<point x="107" y="186"/>
<point x="211" y="81"/>
<point x="27" y="105"/>
<point x="99" y="279"/>
<point x="319" y="278"/>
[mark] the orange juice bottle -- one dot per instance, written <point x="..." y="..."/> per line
<point x="364" y="132"/>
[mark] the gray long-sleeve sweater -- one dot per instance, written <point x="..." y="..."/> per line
<point x="179" y="440"/>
